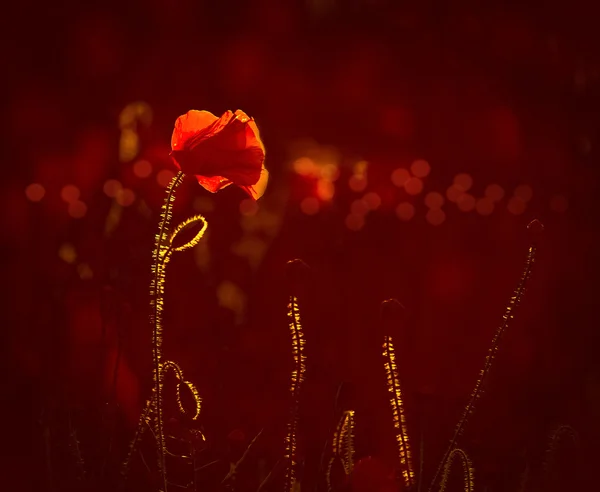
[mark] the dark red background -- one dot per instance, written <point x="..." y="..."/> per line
<point x="506" y="93"/>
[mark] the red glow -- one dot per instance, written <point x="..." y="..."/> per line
<point x="400" y="176"/>
<point x="357" y="183"/>
<point x="484" y="206"/>
<point x="142" y="169"/>
<point x="77" y="209"/>
<point x="355" y="222"/>
<point x="405" y="211"/>
<point x="435" y="216"/>
<point x="373" y="200"/>
<point x="164" y="177"/>
<point x="69" y="193"/>
<point x="413" y="186"/>
<point x="463" y="181"/>
<point x="559" y="203"/>
<point x="516" y="205"/>
<point x="433" y="199"/>
<point x="35" y="192"/>
<point x="112" y="187"/>
<point x="125" y="197"/>
<point x="494" y="192"/>
<point x="524" y="192"/>
<point x="420" y="168"/>
<point x="310" y="205"/>
<point x="466" y="202"/>
<point x="453" y="193"/>
<point x="359" y="207"/>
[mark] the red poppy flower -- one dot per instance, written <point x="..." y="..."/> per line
<point x="220" y="151"/>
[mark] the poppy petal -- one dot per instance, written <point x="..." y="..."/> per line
<point x="188" y="125"/>
<point x="213" y="184"/>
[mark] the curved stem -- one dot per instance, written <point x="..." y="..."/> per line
<point x="161" y="258"/>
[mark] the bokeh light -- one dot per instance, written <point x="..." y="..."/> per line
<point x="400" y="176"/>
<point x="413" y="186"/>
<point x="67" y="253"/>
<point x="516" y="205"/>
<point x="164" y="177"/>
<point x="142" y="169"/>
<point x="434" y="200"/>
<point x="85" y="272"/>
<point x="494" y="192"/>
<point x="112" y="187"/>
<point x="420" y="168"/>
<point x="359" y="207"/>
<point x="435" y="216"/>
<point x="35" y="192"/>
<point x="559" y="203"/>
<point x="325" y="189"/>
<point x="355" y="222"/>
<point x="305" y="166"/>
<point x="310" y="205"/>
<point x="484" y="206"/>
<point x="77" y="209"/>
<point x="453" y="193"/>
<point x="405" y="211"/>
<point x="125" y="197"/>
<point x="465" y="202"/>
<point x="248" y="207"/>
<point x="373" y="200"/>
<point x="463" y="181"/>
<point x="524" y="192"/>
<point x="357" y="183"/>
<point x="69" y="193"/>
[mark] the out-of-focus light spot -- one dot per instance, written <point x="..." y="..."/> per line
<point x="524" y="192"/>
<point x="453" y="193"/>
<point x="69" y="193"/>
<point x="360" y="168"/>
<point x="164" y="177"/>
<point x="584" y="145"/>
<point x="400" y="176"/>
<point x="494" y="192"/>
<point x="330" y="172"/>
<point x="325" y="189"/>
<point x="84" y="271"/>
<point x="516" y="205"/>
<point x="373" y="200"/>
<point x="413" y="186"/>
<point x="559" y="203"/>
<point x="434" y="200"/>
<point x="77" y="209"/>
<point x="305" y="166"/>
<point x="35" y="192"/>
<point x="142" y="169"/>
<point x="248" y="207"/>
<point x="357" y="183"/>
<point x="310" y="205"/>
<point x="420" y="168"/>
<point x="203" y="204"/>
<point x="484" y="206"/>
<point x="463" y="181"/>
<point x="112" y="187"/>
<point x="359" y="207"/>
<point x="405" y="211"/>
<point x="232" y="297"/>
<point x="355" y="222"/>
<point x="465" y="202"/>
<point x="128" y="122"/>
<point x="67" y="253"/>
<point x="125" y="197"/>
<point x="435" y="216"/>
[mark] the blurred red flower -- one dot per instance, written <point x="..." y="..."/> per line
<point x="220" y="151"/>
